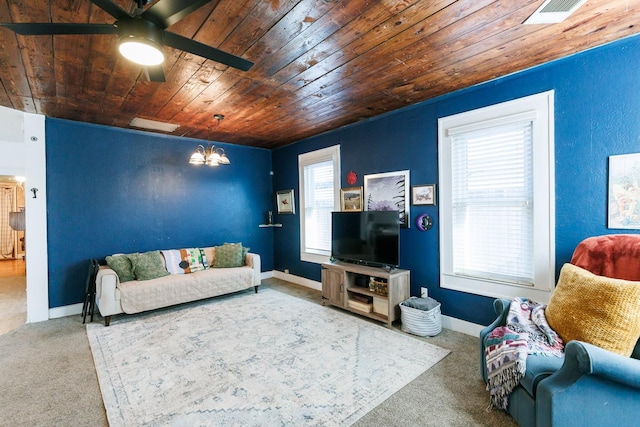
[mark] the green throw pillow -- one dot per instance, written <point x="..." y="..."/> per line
<point x="148" y="265"/>
<point x="121" y="264"/>
<point x="244" y="251"/>
<point x="230" y="255"/>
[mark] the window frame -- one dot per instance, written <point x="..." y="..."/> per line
<point x="322" y="155"/>
<point x="540" y="108"/>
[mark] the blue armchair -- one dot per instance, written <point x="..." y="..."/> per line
<point x="590" y="386"/>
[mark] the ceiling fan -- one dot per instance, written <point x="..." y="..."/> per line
<point x="141" y="34"/>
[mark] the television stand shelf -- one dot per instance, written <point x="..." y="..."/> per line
<point x="346" y="286"/>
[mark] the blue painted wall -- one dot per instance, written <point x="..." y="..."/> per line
<point x="111" y="190"/>
<point x="597" y="114"/>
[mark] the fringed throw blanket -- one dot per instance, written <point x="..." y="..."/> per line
<point x="507" y="347"/>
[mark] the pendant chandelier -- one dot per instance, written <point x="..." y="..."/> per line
<point x="210" y="155"/>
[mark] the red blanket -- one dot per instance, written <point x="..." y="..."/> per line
<point x="613" y="255"/>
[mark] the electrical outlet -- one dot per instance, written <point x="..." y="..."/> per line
<point x="286" y="271"/>
<point x="424" y="292"/>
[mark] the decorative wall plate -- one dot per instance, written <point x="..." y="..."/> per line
<point x="424" y="222"/>
<point x="352" y="177"/>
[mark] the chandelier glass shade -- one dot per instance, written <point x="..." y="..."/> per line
<point x="210" y="156"/>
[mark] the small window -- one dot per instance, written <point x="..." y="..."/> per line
<point x="497" y="199"/>
<point x="319" y="173"/>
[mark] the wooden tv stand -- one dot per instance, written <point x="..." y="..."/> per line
<point x="341" y="281"/>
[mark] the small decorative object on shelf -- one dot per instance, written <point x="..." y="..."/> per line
<point x="379" y="287"/>
<point x="270" y="221"/>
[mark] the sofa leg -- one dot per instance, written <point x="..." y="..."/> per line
<point x="107" y="320"/>
<point x="256" y="288"/>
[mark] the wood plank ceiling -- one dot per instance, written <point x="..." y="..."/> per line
<point x="319" y="64"/>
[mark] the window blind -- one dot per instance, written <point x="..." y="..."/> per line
<point x="319" y="201"/>
<point x="492" y="203"/>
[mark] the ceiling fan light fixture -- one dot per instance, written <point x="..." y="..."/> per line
<point x="140" y="42"/>
<point x="141" y="51"/>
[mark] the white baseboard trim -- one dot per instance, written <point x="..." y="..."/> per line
<point x="461" y="326"/>
<point x="297" y="280"/>
<point x="266" y="275"/>
<point x="66" y="310"/>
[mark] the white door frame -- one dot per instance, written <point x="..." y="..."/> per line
<point x="22" y="152"/>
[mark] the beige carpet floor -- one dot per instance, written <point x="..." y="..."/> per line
<point x="47" y="378"/>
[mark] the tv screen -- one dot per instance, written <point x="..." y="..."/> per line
<point x="370" y="237"/>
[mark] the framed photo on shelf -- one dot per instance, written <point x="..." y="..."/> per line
<point x="351" y="199"/>
<point x="388" y="192"/>
<point x="624" y="192"/>
<point x="423" y="194"/>
<point x="285" y="202"/>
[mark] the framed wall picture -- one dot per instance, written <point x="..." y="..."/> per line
<point x="624" y="192"/>
<point x="423" y="194"/>
<point x="351" y="199"/>
<point x="285" y="202"/>
<point x="388" y="192"/>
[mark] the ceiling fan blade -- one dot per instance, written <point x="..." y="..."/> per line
<point x="197" y="48"/>
<point x="155" y="74"/>
<point x="167" y="12"/>
<point x="48" y="28"/>
<point x="111" y="8"/>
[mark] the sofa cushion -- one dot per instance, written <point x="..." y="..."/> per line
<point x="148" y="265"/>
<point x="172" y="259"/>
<point x="121" y="264"/>
<point x="599" y="310"/>
<point x="193" y="260"/>
<point x="230" y="255"/>
<point x="181" y="288"/>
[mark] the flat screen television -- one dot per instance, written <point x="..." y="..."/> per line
<point x="370" y="238"/>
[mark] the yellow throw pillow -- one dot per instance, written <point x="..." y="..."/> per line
<point x="599" y="310"/>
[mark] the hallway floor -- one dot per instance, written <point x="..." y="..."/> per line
<point x="13" y="295"/>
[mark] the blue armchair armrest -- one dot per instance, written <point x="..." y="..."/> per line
<point x="593" y="387"/>
<point x="501" y="307"/>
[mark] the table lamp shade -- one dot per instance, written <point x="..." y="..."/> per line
<point x="16" y="221"/>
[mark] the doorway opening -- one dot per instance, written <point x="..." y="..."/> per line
<point x="13" y="283"/>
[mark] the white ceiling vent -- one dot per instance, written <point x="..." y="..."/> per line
<point x="137" y="122"/>
<point x="554" y="11"/>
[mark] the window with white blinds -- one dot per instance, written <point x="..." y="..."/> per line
<point x="319" y="173"/>
<point x="496" y="199"/>
<point x="492" y="201"/>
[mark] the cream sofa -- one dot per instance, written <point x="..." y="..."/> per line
<point x="114" y="297"/>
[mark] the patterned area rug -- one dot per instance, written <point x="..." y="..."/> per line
<point x="251" y="360"/>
